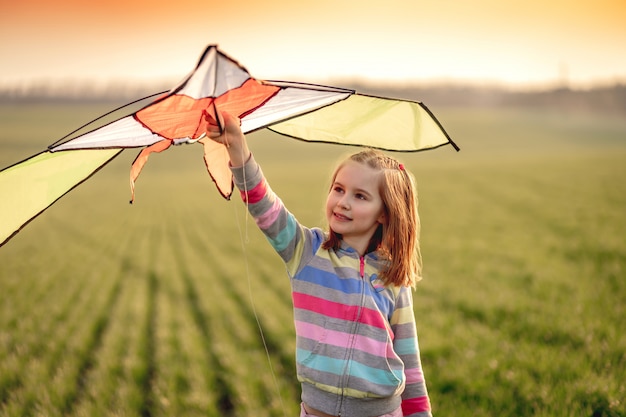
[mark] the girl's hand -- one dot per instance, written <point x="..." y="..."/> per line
<point x="229" y="135"/>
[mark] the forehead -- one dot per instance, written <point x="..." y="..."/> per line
<point x="357" y="175"/>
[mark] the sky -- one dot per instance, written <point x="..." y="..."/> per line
<point x="516" y="43"/>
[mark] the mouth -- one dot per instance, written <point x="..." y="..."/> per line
<point x="341" y="217"/>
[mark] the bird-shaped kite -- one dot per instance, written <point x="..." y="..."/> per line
<point x="218" y="83"/>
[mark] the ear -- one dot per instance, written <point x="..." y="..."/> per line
<point x="382" y="219"/>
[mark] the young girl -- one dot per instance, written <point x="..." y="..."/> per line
<point x="357" y="353"/>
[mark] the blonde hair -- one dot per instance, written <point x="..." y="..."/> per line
<point x="398" y="239"/>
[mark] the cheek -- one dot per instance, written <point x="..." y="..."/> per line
<point x="329" y="205"/>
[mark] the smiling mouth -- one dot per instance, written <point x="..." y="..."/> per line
<point x="341" y="217"/>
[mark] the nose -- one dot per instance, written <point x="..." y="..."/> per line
<point x="343" y="202"/>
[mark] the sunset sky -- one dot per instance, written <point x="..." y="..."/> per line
<point x="529" y="42"/>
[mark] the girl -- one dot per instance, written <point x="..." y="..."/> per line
<point x="357" y="353"/>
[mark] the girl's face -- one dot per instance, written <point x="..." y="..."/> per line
<point x="354" y="207"/>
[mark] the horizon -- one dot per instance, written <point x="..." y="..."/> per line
<point x="608" y="101"/>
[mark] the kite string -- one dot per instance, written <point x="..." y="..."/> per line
<point x="244" y="238"/>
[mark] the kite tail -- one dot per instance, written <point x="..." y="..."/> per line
<point x="141" y="160"/>
<point x="215" y="160"/>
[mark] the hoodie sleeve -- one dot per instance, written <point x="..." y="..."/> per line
<point x="293" y="242"/>
<point x="415" y="400"/>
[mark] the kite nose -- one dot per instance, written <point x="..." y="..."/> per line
<point x="185" y="141"/>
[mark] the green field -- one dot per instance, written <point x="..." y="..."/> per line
<point x="151" y="309"/>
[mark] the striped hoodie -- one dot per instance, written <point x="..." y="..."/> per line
<point x="357" y="353"/>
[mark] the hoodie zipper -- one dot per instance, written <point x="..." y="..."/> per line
<point x="354" y="332"/>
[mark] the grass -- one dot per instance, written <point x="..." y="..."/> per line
<point x="151" y="309"/>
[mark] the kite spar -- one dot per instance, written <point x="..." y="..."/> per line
<point x="308" y="112"/>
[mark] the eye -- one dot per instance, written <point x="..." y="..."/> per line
<point x="360" y="196"/>
<point x="338" y="189"/>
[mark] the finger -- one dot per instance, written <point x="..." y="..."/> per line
<point x="214" y="134"/>
<point x="231" y="122"/>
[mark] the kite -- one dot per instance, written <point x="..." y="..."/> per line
<point x="310" y="112"/>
